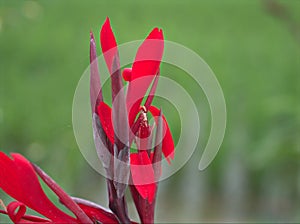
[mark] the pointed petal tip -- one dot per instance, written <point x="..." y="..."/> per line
<point x="156" y="33"/>
<point x="107" y="20"/>
<point x="106" y="23"/>
<point x="108" y="44"/>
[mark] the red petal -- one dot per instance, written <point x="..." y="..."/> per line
<point x="142" y="172"/>
<point x="108" y="44"/>
<point x="18" y="179"/>
<point x="149" y="55"/>
<point x="168" y="143"/>
<point x="105" y="115"/>
<point x="25" y="218"/>
<point x="16" y="210"/>
<point x="144" y="68"/>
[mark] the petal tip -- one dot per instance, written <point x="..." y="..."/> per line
<point x="92" y="38"/>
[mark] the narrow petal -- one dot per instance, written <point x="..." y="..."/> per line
<point x="143" y="175"/>
<point x="105" y="115"/>
<point x="144" y="68"/>
<point x="167" y="143"/>
<point x="95" y="84"/>
<point x="151" y="95"/>
<point x="157" y="155"/>
<point x="108" y="44"/>
<point x="19" y="180"/>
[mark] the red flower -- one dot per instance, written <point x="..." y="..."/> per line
<point x="128" y="117"/>
<point x="144" y="70"/>
<point x="114" y="132"/>
<point x="18" y="178"/>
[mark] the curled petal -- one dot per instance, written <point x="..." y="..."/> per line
<point x="167" y="142"/>
<point x="149" y="55"/>
<point x="105" y="115"/>
<point x="19" y="180"/>
<point x="143" y="175"/>
<point x="16" y="210"/>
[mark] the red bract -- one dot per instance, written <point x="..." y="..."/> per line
<point x="18" y="178"/>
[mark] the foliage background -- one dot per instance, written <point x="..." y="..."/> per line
<point x="252" y="46"/>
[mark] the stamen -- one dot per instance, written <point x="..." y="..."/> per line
<point x="143" y="115"/>
<point x="143" y="108"/>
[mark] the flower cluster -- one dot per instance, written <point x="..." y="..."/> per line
<point x="126" y="122"/>
<point x="116" y="130"/>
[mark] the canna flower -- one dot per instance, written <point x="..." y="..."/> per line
<point x="115" y="129"/>
<point x="19" y="179"/>
<point x="126" y="122"/>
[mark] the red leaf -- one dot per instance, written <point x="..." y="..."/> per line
<point x="18" y="179"/>
<point x="143" y="175"/>
<point x="144" y="68"/>
<point x="167" y="143"/>
<point x="105" y="115"/>
<point x="108" y="44"/>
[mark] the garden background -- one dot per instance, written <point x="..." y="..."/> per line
<point x="253" y="46"/>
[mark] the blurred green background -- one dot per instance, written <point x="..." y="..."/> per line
<point x="253" y="46"/>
